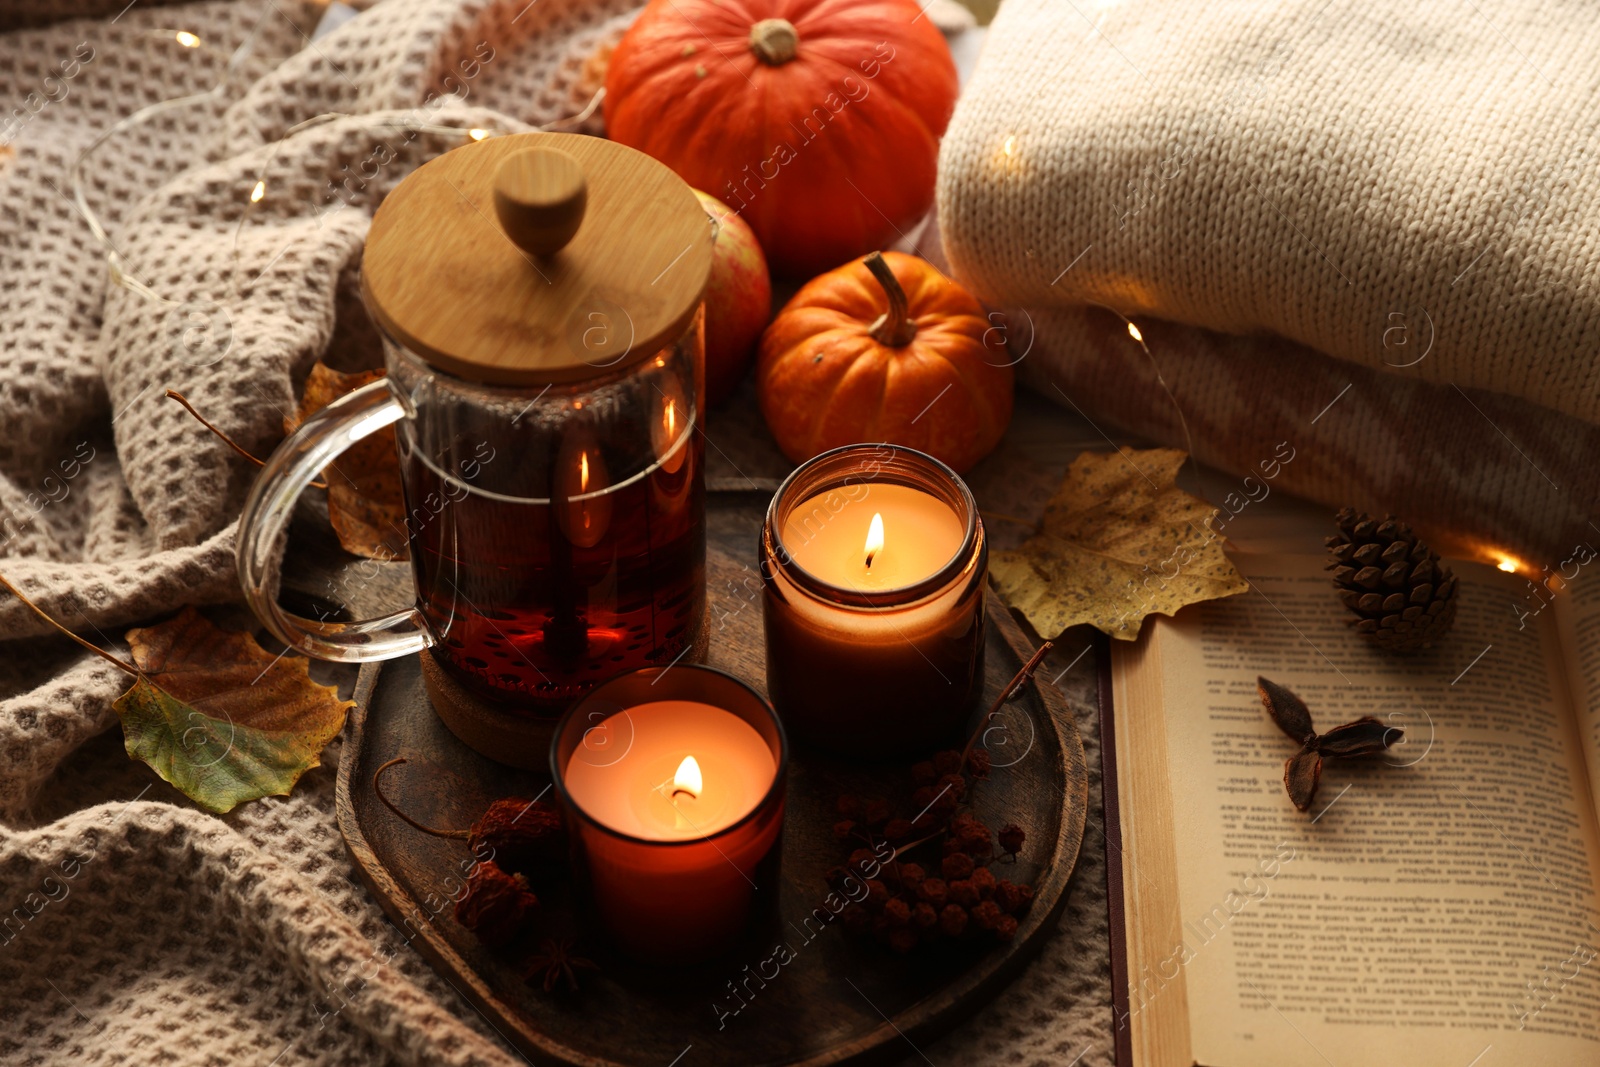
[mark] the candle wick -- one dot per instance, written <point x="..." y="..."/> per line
<point x="674" y="794"/>
<point x="869" y="559"/>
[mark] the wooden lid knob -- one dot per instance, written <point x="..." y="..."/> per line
<point x="540" y="195"/>
<point x="508" y="300"/>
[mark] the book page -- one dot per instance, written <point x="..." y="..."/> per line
<point x="1437" y="905"/>
<point x="1576" y="607"/>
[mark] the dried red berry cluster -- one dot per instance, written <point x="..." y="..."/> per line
<point x="906" y="905"/>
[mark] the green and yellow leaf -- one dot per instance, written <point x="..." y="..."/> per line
<point x="219" y="717"/>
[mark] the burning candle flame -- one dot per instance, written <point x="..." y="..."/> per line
<point x="583" y="472"/>
<point x="670" y="421"/>
<point x="687" y="780"/>
<point x="874" y="539"/>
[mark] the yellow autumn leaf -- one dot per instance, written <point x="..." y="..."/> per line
<point x="365" y="504"/>
<point x="1118" y="541"/>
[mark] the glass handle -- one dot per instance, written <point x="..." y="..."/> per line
<point x="295" y="465"/>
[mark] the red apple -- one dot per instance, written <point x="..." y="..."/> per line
<point x="738" y="301"/>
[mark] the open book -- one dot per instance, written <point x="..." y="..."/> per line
<point x="1436" y="906"/>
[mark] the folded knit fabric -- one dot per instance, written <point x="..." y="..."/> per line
<point x="1402" y="189"/>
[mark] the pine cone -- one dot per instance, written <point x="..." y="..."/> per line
<point x="1403" y="598"/>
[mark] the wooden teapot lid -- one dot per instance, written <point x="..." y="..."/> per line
<point x="537" y="258"/>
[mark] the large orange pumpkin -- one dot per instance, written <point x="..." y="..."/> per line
<point x="817" y="121"/>
<point x="885" y="349"/>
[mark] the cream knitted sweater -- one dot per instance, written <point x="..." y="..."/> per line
<point x="1390" y="205"/>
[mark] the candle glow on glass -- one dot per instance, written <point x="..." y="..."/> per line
<point x="582" y="479"/>
<point x="1508" y="564"/>
<point x="668" y="433"/>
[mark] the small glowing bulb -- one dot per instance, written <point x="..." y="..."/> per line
<point x="874" y="538"/>
<point x="187" y="39"/>
<point x="688" y="779"/>
<point x="1010" y="146"/>
<point x="1133" y="332"/>
<point x="258" y="192"/>
<point x="477" y="135"/>
<point x="1507" y="564"/>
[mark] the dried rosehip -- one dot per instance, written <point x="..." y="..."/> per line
<point x="963" y="892"/>
<point x="844" y="829"/>
<point x="1013" y="899"/>
<point x="978" y="763"/>
<point x="974" y="838"/>
<point x="898" y="830"/>
<point x="902" y="939"/>
<point x="1005" y="928"/>
<point x="923" y="797"/>
<point x="877" y="895"/>
<point x="984" y="879"/>
<point x="875" y="811"/>
<point x="520" y="835"/>
<point x="956" y="865"/>
<point x="924" y="916"/>
<point x="952" y="920"/>
<point x="1011" y="838"/>
<point x="897" y="911"/>
<point x="495" y="903"/>
<point x="947" y="762"/>
<point x="517" y="834"/>
<point x="934" y="891"/>
<point x="951" y="785"/>
<point x="911" y="875"/>
<point x="862" y="859"/>
<point x="945" y="804"/>
<point x="986" y="913"/>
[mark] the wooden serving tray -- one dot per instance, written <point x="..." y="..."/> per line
<point x="839" y="999"/>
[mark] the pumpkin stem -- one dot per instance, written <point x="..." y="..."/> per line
<point x="894" y="327"/>
<point x="774" y="41"/>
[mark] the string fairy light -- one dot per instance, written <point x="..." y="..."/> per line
<point x="116" y="268"/>
<point x="1138" y="337"/>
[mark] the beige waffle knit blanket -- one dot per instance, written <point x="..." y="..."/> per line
<point x="135" y="929"/>
<point x="1370" y="228"/>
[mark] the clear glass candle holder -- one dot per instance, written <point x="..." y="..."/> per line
<point x="678" y="864"/>
<point x="865" y="671"/>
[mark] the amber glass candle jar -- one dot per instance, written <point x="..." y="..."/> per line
<point x="873" y="559"/>
<point x="673" y="781"/>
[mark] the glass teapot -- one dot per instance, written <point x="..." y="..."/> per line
<point x="540" y="301"/>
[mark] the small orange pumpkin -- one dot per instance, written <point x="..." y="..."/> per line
<point x="885" y="349"/>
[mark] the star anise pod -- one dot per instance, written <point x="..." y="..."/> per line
<point x="557" y="963"/>
<point x="1302" y="771"/>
